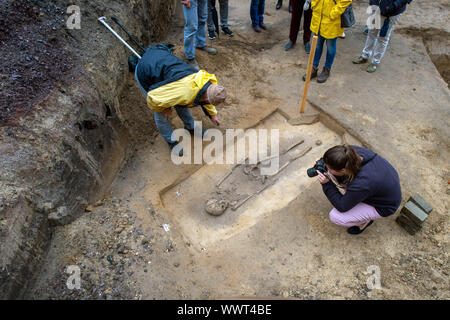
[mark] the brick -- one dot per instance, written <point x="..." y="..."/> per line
<point x="409" y="222"/>
<point x="414" y="213"/>
<point x="410" y="230"/>
<point x="421" y="203"/>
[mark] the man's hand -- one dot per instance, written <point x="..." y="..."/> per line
<point x="323" y="177"/>
<point x="215" y="120"/>
<point x="167" y="112"/>
<point x="187" y="3"/>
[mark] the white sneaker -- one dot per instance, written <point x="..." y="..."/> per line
<point x="343" y="36"/>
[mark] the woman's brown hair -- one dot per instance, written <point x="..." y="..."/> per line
<point x="343" y="156"/>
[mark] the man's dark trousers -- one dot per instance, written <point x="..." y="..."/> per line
<point x="297" y="11"/>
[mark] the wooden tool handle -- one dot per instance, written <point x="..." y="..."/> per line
<point x="308" y="72"/>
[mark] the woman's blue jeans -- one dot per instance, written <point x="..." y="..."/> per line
<point x="163" y="124"/>
<point x="331" y="51"/>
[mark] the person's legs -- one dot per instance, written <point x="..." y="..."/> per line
<point x="261" y="6"/>
<point x="202" y="11"/>
<point x="254" y="12"/>
<point x="319" y="50"/>
<point x="223" y="13"/>
<point x="190" y="29"/>
<point x="164" y="127"/>
<point x="211" y="5"/>
<point x="382" y="43"/>
<point x="371" y="41"/>
<point x="307" y="26"/>
<point x="186" y="117"/>
<point x="297" y="10"/>
<point x="331" y="52"/>
<point x="359" y="215"/>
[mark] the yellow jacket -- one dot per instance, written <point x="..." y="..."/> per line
<point x="326" y="18"/>
<point x="181" y="93"/>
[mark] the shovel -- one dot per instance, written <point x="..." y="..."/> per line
<point x="306" y="118"/>
<point x="132" y="61"/>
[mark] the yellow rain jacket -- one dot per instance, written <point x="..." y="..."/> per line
<point x="185" y="92"/>
<point x="326" y="18"/>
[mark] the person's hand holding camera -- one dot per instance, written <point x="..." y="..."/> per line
<point x="323" y="177"/>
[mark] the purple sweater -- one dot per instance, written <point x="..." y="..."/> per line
<point x="377" y="184"/>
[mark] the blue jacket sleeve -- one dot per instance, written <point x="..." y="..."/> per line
<point x="345" y="202"/>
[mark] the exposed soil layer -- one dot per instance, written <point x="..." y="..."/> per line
<point x="33" y="56"/>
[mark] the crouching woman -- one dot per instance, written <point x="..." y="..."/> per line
<point x="371" y="187"/>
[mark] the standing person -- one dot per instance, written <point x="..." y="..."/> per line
<point x="223" y="18"/>
<point x="257" y="15"/>
<point x="195" y="15"/>
<point x="326" y="23"/>
<point x="297" y="7"/>
<point x="168" y="82"/>
<point x="372" y="187"/>
<point x="378" y="39"/>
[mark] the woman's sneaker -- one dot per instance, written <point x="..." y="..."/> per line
<point x="212" y="35"/>
<point x="227" y="31"/>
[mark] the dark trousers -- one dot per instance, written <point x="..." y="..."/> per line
<point x="297" y="11"/>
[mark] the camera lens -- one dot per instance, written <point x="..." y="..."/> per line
<point x="311" y="172"/>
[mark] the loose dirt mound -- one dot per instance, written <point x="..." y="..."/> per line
<point x="33" y="58"/>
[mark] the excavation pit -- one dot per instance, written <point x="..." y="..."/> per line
<point x="185" y="201"/>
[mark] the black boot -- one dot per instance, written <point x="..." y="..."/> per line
<point x="313" y="73"/>
<point x="324" y="75"/>
<point x="279" y="4"/>
<point x="290" y="7"/>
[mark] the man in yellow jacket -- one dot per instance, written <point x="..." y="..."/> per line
<point x="168" y="81"/>
<point x="326" y="23"/>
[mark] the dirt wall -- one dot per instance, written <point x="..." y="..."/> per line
<point x="62" y="133"/>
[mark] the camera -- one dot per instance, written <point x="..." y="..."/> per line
<point x="319" y="166"/>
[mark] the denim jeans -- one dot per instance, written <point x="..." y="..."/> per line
<point x="377" y="45"/>
<point x="257" y="12"/>
<point x="195" y="27"/>
<point x="331" y="51"/>
<point x="163" y="124"/>
<point x="223" y="14"/>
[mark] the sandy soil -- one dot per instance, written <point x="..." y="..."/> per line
<point x="151" y="238"/>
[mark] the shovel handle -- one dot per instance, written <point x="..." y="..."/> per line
<point x="308" y="72"/>
<point x="102" y="20"/>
